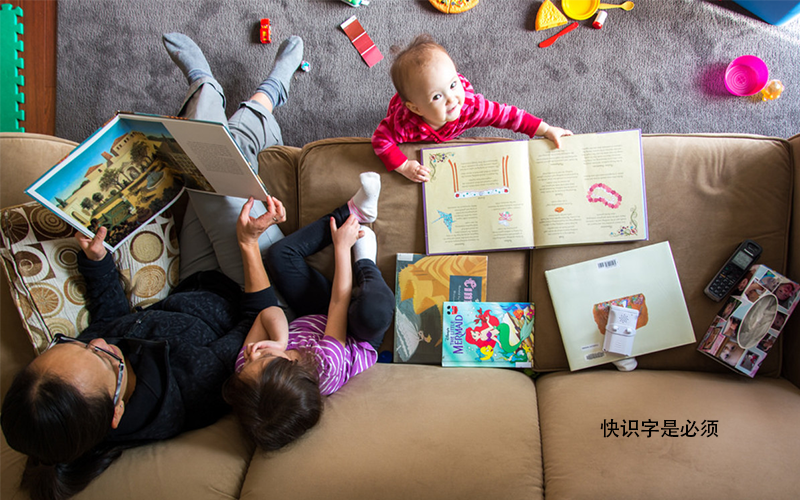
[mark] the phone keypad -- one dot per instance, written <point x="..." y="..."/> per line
<point x="726" y="279"/>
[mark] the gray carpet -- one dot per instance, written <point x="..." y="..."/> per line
<point x="657" y="67"/>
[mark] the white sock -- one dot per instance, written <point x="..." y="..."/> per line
<point x="626" y="365"/>
<point x="364" y="204"/>
<point x="366" y="247"/>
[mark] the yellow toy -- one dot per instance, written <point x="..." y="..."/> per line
<point x="454" y="6"/>
<point x="772" y="90"/>
<point x="549" y="16"/>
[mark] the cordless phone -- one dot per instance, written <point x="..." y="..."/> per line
<point x="733" y="270"/>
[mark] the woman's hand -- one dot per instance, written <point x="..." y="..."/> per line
<point x="249" y="229"/>
<point x="347" y="234"/>
<point x="93" y="247"/>
<point x="415" y="171"/>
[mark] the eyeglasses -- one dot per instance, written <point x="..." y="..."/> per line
<point x="62" y="339"/>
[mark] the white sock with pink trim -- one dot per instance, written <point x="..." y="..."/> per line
<point x="366" y="247"/>
<point x="364" y="204"/>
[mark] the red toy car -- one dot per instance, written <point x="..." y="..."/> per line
<point x="265" y="33"/>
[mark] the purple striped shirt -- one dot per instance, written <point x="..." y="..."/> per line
<point x="336" y="363"/>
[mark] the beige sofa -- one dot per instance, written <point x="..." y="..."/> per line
<point x="412" y="431"/>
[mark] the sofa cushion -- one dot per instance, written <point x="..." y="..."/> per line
<point x="705" y="194"/>
<point x="399" y="227"/>
<point x="747" y="456"/>
<point x="39" y="256"/>
<point x="205" y="464"/>
<point x="413" y="432"/>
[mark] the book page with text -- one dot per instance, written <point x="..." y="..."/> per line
<point x="478" y="198"/>
<point x="216" y="156"/>
<point x="589" y="191"/>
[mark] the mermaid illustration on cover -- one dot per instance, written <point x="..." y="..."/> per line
<point x="490" y="331"/>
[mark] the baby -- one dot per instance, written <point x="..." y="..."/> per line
<point x="435" y="103"/>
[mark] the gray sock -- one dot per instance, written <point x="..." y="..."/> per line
<point x="276" y="86"/>
<point x="187" y="55"/>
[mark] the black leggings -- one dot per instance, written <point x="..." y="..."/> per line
<point x="307" y="291"/>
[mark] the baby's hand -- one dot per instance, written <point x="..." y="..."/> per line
<point x="93" y="247"/>
<point x="553" y="133"/>
<point x="414" y="171"/>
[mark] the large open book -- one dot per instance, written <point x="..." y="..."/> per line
<point x="135" y="166"/>
<point x="525" y="194"/>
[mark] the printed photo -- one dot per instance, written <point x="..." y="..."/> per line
<point x="770" y="281"/>
<point x="732" y="328"/>
<point x="780" y="320"/>
<point x="710" y="338"/>
<point x="750" y="361"/>
<point x="729" y="307"/>
<point x="122" y="181"/>
<point x="767" y="342"/>
<point x="730" y="353"/>
<point x="786" y="293"/>
<point x="743" y="282"/>
<point x="754" y="291"/>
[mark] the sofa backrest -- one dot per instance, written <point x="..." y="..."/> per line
<point x="706" y="193"/>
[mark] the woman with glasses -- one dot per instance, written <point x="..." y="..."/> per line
<point x="133" y="377"/>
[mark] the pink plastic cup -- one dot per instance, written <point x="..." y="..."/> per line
<point x="746" y="75"/>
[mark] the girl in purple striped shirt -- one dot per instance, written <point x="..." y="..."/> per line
<point x="283" y="368"/>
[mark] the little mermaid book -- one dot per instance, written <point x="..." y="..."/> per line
<point x="488" y="334"/>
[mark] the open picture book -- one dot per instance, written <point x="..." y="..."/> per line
<point x="136" y="166"/>
<point x="526" y="194"/>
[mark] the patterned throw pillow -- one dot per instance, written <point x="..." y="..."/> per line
<point x="40" y="258"/>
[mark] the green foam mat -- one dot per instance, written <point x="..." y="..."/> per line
<point x="11" y="82"/>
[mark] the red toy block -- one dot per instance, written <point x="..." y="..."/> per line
<point x="265" y="32"/>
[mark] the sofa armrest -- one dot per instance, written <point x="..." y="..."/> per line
<point x="24" y="158"/>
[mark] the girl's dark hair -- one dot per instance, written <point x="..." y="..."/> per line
<point x="278" y="407"/>
<point x="61" y="431"/>
<point x="409" y="59"/>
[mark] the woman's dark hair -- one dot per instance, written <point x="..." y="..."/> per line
<point x="278" y="407"/>
<point x="61" y="431"/>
